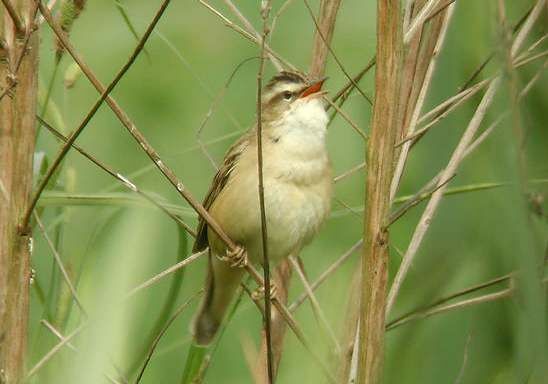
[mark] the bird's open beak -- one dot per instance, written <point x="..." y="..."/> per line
<point x="313" y="88"/>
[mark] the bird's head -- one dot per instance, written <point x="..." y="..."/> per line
<point x="290" y="92"/>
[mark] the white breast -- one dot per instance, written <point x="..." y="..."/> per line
<point x="297" y="180"/>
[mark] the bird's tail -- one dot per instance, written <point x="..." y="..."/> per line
<point x="221" y="284"/>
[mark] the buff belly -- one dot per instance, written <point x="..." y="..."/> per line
<point x="294" y="215"/>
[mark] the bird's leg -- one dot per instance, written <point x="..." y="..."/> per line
<point x="236" y="258"/>
<point x="258" y="294"/>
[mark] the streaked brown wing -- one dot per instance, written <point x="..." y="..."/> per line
<point x="219" y="182"/>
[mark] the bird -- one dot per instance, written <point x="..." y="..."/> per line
<point x="297" y="183"/>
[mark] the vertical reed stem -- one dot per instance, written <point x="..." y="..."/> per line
<point x="380" y="162"/>
<point x="18" y="77"/>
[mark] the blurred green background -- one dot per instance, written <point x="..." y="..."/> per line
<point x="110" y="247"/>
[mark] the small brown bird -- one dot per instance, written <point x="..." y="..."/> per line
<point x="297" y="192"/>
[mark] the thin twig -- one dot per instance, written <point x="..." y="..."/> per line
<point x="265" y="11"/>
<point x="60" y="336"/>
<point x="252" y="30"/>
<point x="349" y="172"/>
<point x="316" y="305"/>
<point x="459" y="378"/>
<point x="54" y="350"/>
<point x="214" y="103"/>
<point x="60" y="265"/>
<point x="339" y="63"/>
<point x="162" y="332"/>
<point x="347" y="118"/>
<point x="325" y="274"/>
<point x="507" y="292"/>
<point x="348" y="87"/>
<point x="415" y="200"/>
<point x="14" y="16"/>
<point x="249" y="36"/>
<point x="166" y="272"/>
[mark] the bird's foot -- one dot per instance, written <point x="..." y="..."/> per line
<point x="236" y="258"/>
<point x="258" y="294"/>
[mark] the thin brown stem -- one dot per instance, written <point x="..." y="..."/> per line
<point x="316" y="307"/>
<point x="349" y="172"/>
<point x="323" y="36"/>
<point x="162" y="332"/>
<point x="54" y="350"/>
<point x="325" y="274"/>
<point x="415" y="200"/>
<point x="328" y="46"/>
<point x="19" y="26"/>
<point x="252" y="30"/>
<point x="265" y="11"/>
<point x="174" y="268"/>
<point x="347" y="118"/>
<point x="249" y="36"/>
<point x="345" y="90"/>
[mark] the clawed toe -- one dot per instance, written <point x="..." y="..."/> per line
<point x="236" y="258"/>
<point x="258" y="294"/>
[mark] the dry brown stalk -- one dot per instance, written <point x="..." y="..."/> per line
<point x="350" y="336"/>
<point x="443" y="109"/>
<point x="280" y="278"/>
<point x="323" y="36"/>
<point x="14" y="16"/>
<point x="19" y="74"/>
<point x="327" y="45"/>
<point x="456" y="158"/>
<point x="428" y="60"/>
<point x="385" y="128"/>
<point x="418" y="21"/>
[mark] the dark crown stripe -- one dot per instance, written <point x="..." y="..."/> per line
<point x="288" y="77"/>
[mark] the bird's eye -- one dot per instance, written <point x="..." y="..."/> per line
<point x="288" y="95"/>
